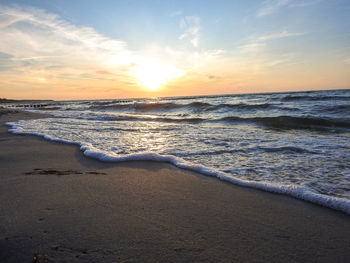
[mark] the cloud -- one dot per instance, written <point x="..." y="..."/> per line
<point x="5" y="61"/>
<point x="190" y="25"/>
<point x="288" y="58"/>
<point x="251" y="47"/>
<point x="213" y="53"/>
<point x="257" y="43"/>
<point x="214" y="77"/>
<point x="6" y="20"/>
<point x="44" y="39"/>
<point x="255" y="51"/>
<point x="347" y="61"/>
<point x="271" y="6"/>
<point x="279" y="35"/>
<point x="176" y="13"/>
<point x="30" y="34"/>
<point x="303" y="3"/>
<point x="36" y="46"/>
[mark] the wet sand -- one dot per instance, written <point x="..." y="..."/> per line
<point x="56" y="205"/>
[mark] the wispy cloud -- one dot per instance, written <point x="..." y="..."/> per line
<point x="256" y="50"/>
<point x="33" y="34"/>
<point x="191" y="27"/>
<point x="42" y="48"/>
<point x="288" y="58"/>
<point x="271" y="6"/>
<point x="54" y="58"/>
<point x="251" y="47"/>
<point x="176" y="13"/>
<point x="257" y="43"/>
<point x="7" y="20"/>
<point x="302" y="3"/>
<point x="279" y="35"/>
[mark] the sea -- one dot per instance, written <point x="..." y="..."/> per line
<point x="296" y="144"/>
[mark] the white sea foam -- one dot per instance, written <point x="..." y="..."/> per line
<point x="299" y="192"/>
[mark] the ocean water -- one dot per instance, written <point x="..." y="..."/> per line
<point x="291" y="143"/>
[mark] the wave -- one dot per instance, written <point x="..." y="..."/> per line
<point x="245" y="106"/>
<point x="49" y="108"/>
<point x="291" y="122"/>
<point x="284" y="122"/>
<point x="200" y="97"/>
<point x="337" y="109"/>
<point x="275" y="122"/>
<point x="290" y="149"/>
<point x="299" y="192"/>
<point x="285" y="149"/>
<point x="154" y="118"/>
<point x="313" y="98"/>
<point x="193" y="106"/>
<point x="102" y="102"/>
<point x="143" y="107"/>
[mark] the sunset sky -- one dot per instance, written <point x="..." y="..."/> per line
<point x="64" y="49"/>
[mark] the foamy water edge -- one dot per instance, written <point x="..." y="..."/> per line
<point x="299" y="192"/>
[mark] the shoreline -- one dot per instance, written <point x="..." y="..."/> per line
<point x="295" y="191"/>
<point x="80" y="209"/>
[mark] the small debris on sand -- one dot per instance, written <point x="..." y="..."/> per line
<point x="60" y="172"/>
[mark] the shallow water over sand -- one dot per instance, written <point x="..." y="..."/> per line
<point x="297" y="143"/>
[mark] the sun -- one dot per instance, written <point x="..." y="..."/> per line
<point x="152" y="74"/>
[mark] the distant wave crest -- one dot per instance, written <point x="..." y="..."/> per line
<point x="168" y="106"/>
<point x="290" y="122"/>
<point x="314" y="98"/>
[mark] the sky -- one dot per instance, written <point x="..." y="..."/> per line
<point x="65" y="50"/>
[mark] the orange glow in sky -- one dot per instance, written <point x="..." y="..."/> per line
<point x="62" y="52"/>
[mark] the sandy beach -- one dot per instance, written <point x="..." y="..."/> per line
<point x="56" y="205"/>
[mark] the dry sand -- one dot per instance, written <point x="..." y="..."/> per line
<point x="58" y="206"/>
